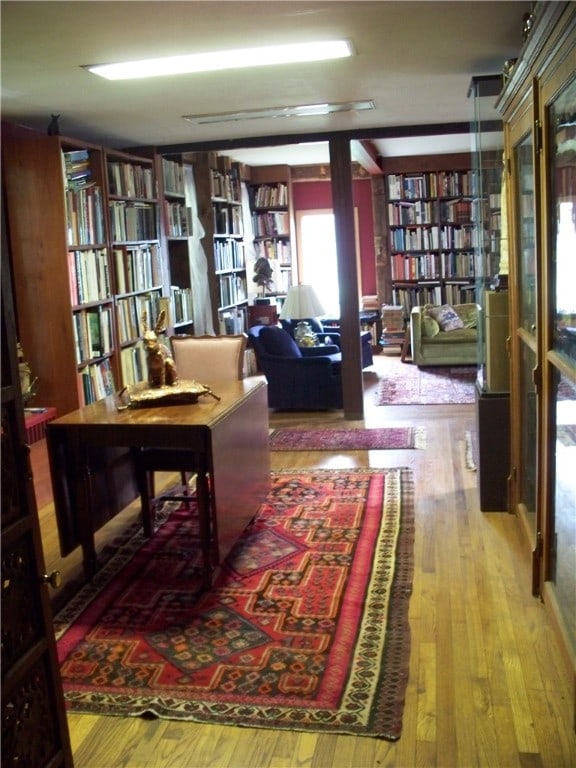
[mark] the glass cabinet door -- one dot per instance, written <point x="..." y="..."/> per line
<point x="525" y="325"/>
<point x="560" y="528"/>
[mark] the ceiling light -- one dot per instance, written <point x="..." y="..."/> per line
<point x="218" y="60"/>
<point x="307" y="110"/>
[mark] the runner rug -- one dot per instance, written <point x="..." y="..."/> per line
<point x="403" y="384"/>
<point x="347" y="439"/>
<point x="306" y="626"/>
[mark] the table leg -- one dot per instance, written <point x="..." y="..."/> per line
<point x="204" y="524"/>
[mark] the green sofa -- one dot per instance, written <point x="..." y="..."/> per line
<point x="433" y="344"/>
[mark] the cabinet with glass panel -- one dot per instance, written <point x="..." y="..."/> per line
<point x="539" y="109"/>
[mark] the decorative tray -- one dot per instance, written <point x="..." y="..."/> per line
<point x="142" y="395"/>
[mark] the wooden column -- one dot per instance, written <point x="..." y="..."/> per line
<point x="342" y="203"/>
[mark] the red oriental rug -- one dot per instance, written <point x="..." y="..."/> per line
<point x="387" y="438"/>
<point x="403" y="384"/>
<point x="306" y="627"/>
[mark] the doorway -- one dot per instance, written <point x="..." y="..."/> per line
<point x="317" y="258"/>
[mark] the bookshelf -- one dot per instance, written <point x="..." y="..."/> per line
<point x="270" y="194"/>
<point x="430" y="230"/>
<point x="133" y="214"/>
<point x="218" y="189"/>
<point x="175" y="179"/>
<point x="63" y="276"/>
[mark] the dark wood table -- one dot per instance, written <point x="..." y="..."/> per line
<point x="229" y="438"/>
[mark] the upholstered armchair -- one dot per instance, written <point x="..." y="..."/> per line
<point x="333" y="333"/>
<point x="298" y="379"/>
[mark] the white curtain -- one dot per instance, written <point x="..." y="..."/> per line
<point x="201" y="302"/>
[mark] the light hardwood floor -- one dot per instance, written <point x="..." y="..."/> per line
<point x="487" y="685"/>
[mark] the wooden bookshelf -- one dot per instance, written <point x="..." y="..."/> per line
<point x="430" y="229"/>
<point x="175" y="179"/>
<point x="218" y="189"/>
<point x="63" y="277"/>
<point x="272" y="213"/>
<point x="133" y="214"/>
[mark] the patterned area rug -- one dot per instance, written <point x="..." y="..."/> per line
<point x="306" y="627"/>
<point x="403" y="384"/>
<point x="387" y="438"/>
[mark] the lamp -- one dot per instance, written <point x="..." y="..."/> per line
<point x="301" y="302"/>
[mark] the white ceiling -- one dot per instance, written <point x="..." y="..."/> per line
<point x="415" y="60"/>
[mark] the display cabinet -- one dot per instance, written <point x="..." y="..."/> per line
<point x="491" y="280"/>
<point x="538" y="104"/>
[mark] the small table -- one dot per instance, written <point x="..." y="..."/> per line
<point x="229" y="436"/>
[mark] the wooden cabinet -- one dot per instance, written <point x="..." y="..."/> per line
<point x="270" y="193"/>
<point x="430" y="229"/>
<point x="34" y="726"/>
<point x="538" y="104"/>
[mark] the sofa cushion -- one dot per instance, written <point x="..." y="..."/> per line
<point x="430" y="327"/>
<point x="446" y="317"/>
<point x="276" y="341"/>
<point x="468" y="313"/>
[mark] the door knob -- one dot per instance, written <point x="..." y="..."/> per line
<point x="54" y="579"/>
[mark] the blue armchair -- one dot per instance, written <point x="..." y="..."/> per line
<point x="309" y="381"/>
<point x="333" y="332"/>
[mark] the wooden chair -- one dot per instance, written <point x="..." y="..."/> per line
<point x="203" y="359"/>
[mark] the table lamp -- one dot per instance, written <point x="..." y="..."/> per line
<point x="301" y="303"/>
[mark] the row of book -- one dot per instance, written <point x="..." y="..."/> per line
<point x="131" y="180"/>
<point x="178" y="219"/>
<point x="431" y="238"/>
<point x="232" y="289"/>
<point x="229" y="254"/>
<point x="89" y="275"/>
<point x="433" y="266"/>
<point x="76" y="169"/>
<point x="132" y="221"/>
<point x="84" y="215"/>
<point x="429" y="185"/>
<point x="92" y="333"/>
<point x="138" y="268"/>
<point x="276" y="223"/>
<point x="225" y="185"/>
<point x="274" y="250"/>
<point x="227" y="219"/>
<point x="181" y="305"/>
<point x="408" y="296"/>
<point x="130" y="313"/>
<point x="133" y="364"/>
<point x="95" y="382"/>
<point x="270" y="196"/>
<point x="232" y="323"/>
<point x="173" y="177"/>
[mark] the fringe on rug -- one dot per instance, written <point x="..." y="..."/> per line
<point x="470" y="462"/>
<point x="420" y="438"/>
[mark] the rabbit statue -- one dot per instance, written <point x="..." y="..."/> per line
<point x="161" y="366"/>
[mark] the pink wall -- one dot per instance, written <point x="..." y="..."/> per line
<point x="308" y="195"/>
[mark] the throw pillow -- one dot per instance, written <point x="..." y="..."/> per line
<point x="446" y="317"/>
<point x="276" y="341"/>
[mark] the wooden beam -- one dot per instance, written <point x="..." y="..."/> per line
<point x="343" y="205"/>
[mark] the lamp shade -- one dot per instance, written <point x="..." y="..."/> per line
<point x="301" y="302"/>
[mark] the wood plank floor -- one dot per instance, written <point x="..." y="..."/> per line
<point x="487" y="682"/>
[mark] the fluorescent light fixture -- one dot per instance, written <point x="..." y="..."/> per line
<point x="218" y="60"/>
<point x="307" y="110"/>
